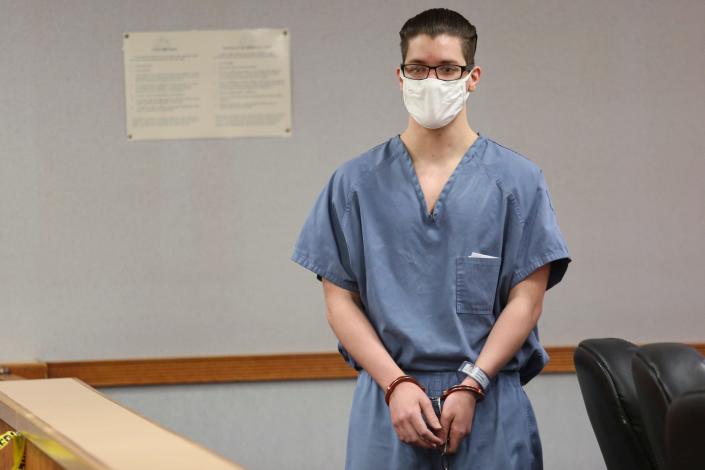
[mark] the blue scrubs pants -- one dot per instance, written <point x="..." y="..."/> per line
<point x="504" y="434"/>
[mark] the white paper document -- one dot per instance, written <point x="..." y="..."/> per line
<point x="207" y="84"/>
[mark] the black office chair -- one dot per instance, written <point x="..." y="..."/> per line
<point x="604" y="370"/>
<point x="670" y="379"/>
<point x="684" y="426"/>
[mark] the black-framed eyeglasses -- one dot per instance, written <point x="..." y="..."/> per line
<point x="445" y="72"/>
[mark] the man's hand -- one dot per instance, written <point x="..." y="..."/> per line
<point x="456" y="418"/>
<point x="408" y="406"/>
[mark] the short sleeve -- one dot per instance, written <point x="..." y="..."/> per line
<point x="322" y="246"/>
<point x="541" y="240"/>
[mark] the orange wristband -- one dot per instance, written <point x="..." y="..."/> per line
<point x="397" y="381"/>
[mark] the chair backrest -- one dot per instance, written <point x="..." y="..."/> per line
<point x="663" y="372"/>
<point x="685" y="422"/>
<point x="603" y="367"/>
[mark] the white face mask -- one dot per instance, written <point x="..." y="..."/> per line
<point x="434" y="103"/>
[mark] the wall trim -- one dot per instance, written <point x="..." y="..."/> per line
<point x="175" y="370"/>
<point x="213" y="369"/>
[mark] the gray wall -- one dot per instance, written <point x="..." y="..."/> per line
<point x="114" y="249"/>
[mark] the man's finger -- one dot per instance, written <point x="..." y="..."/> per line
<point x="455" y="436"/>
<point x="430" y="415"/>
<point x="412" y="437"/>
<point x="408" y="432"/>
<point x="446" y="421"/>
<point x="423" y="431"/>
<point x="421" y="442"/>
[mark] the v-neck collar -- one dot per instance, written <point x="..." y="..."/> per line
<point x="409" y="164"/>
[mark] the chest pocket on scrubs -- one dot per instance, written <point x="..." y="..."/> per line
<point x="476" y="284"/>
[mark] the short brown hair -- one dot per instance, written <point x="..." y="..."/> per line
<point x="440" y="21"/>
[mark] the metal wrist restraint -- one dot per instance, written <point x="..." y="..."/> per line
<point x="476" y="391"/>
<point x="397" y="381"/>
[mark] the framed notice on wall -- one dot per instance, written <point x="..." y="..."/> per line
<point x="207" y="84"/>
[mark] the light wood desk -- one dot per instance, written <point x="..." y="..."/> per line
<point x="73" y="426"/>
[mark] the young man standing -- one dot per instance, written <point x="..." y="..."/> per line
<point x="435" y="249"/>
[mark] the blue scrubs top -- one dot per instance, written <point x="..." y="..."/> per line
<point x="431" y="303"/>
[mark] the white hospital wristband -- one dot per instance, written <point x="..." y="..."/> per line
<point x="472" y="370"/>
